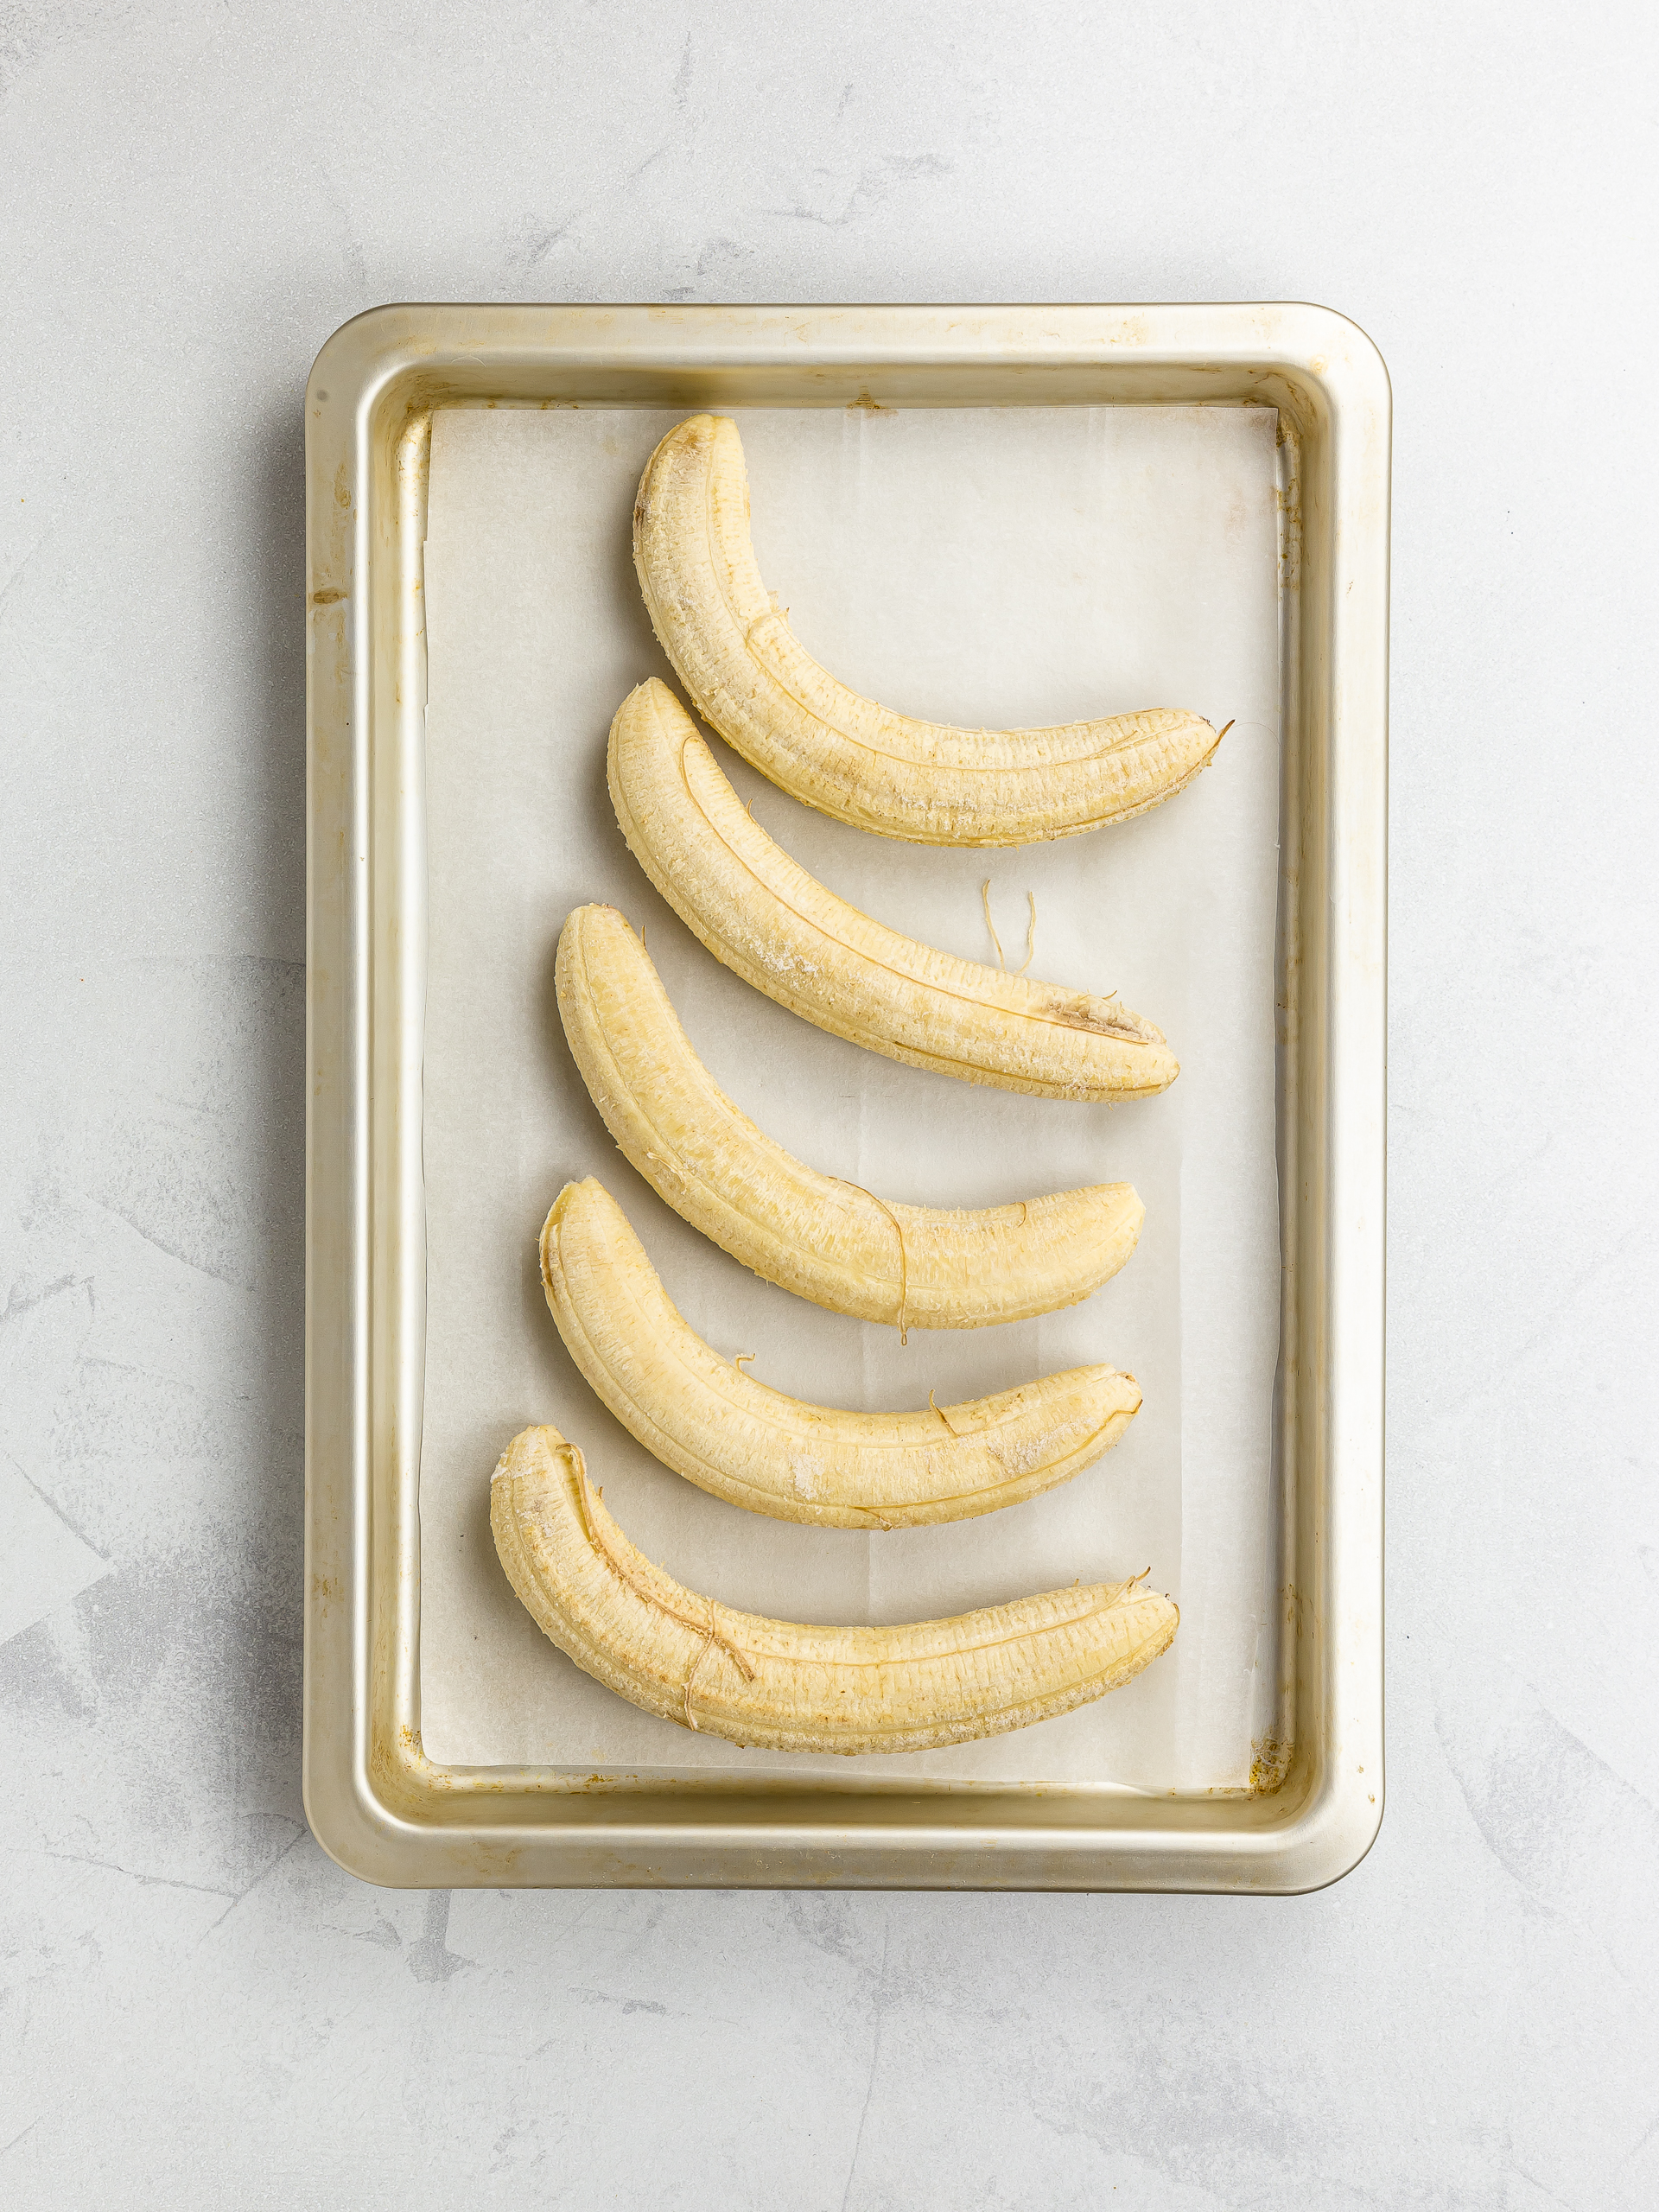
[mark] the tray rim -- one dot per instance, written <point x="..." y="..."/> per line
<point x="376" y="1804"/>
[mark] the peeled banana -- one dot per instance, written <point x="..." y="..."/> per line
<point x="835" y="1242"/>
<point x="733" y="649"/>
<point x="772" y="923"/>
<point x="703" y="1416"/>
<point x="781" y="1685"/>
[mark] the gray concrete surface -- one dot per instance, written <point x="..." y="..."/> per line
<point x="199" y="2009"/>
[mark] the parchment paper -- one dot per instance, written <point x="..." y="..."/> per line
<point x="984" y="566"/>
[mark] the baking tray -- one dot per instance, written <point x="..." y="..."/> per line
<point x="375" y="1802"/>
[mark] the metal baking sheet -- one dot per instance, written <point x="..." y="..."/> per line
<point x="1305" y="1806"/>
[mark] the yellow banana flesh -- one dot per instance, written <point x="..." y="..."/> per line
<point x="775" y="925"/>
<point x="701" y="1414"/>
<point x="833" y="1242"/>
<point x="784" y="1685"/>
<point x="930" y="783"/>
